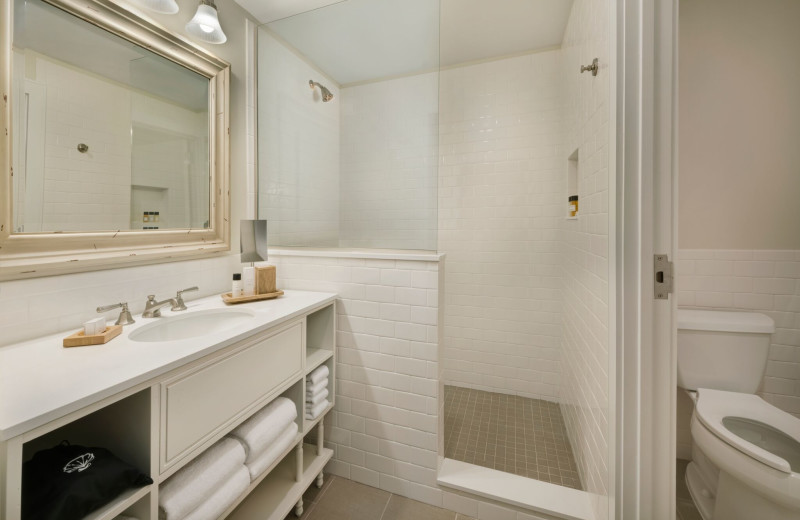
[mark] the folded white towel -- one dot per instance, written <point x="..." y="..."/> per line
<point x="315" y="412"/>
<point x="265" y="460"/>
<point x="316" y="388"/>
<point x="316" y="399"/>
<point x="184" y="491"/>
<point x="225" y="495"/>
<point x="318" y="375"/>
<point x="261" y="430"/>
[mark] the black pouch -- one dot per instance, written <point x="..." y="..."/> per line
<point x="68" y="482"/>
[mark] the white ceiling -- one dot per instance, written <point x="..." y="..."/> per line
<point x="480" y="29"/>
<point x="266" y="11"/>
<point x="362" y="40"/>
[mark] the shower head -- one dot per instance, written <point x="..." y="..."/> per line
<point x="326" y="94"/>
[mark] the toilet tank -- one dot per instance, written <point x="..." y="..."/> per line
<point x="722" y="350"/>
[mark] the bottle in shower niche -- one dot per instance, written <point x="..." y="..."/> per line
<point x="237" y="288"/>
<point x="573" y="206"/>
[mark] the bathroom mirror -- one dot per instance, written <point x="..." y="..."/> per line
<point x="117" y="144"/>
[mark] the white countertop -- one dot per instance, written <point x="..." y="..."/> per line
<point x="40" y="380"/>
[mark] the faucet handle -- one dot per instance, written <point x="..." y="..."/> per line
<point x="179" y="303"/>
<point x="124" y="318"/>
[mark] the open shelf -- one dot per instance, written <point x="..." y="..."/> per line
<point x="320" y="336"/>
<point x="119" y="505"/>
<point x="315" y="357"/>
<point x="280" y="490"/>
<point x="123" y="428"/>
<point x="308" y="425"/>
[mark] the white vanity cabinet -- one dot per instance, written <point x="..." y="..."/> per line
<point x="161" y="422"/>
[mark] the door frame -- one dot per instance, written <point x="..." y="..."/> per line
<point x="647" y="148"/>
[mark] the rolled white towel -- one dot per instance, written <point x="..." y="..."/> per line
<point x="317" y="410"/>
<point x="261" y="430"/>
<point x="316" y="388"/>
<point x="313" y="401"/>
<point x="318" y="375"/>
<point x="225" y="495"/>
<point x="184" y="491"/>
<point x="265" y="460"/>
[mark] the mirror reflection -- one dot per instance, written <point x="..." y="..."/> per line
<point x="106" y="134"/>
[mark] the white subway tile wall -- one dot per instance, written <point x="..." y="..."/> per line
<point x="39" y="306"/>
<point x="389" y="161"/>
<point x="502" y="198"/>
<point x="585" y="346"/>
<point x="752" y="281"/>
<point x="298" y="159"/>
<point x="385" y="424"/>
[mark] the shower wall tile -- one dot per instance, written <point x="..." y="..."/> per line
<point x="502" y="195"/>
<point x="298" y="152"/>
<point x="389" y="161"/>
<point x="752" y="281"/>
<point x="384" y="427"/>
<point x="585" y="342"/>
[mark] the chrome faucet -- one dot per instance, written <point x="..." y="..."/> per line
<point x="152" y="309"/>
<point x="179" y="304"/>
<point x="125" y="317"/>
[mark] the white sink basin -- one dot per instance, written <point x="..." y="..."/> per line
<point x="191" y="325"/>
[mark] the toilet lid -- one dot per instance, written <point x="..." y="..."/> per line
<point x="753" y="426"/>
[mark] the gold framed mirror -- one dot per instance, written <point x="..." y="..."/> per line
<point x="116" y="144"/>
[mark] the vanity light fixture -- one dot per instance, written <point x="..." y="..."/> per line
<point x="205" y="24"/>
<point x="159" y="6"/>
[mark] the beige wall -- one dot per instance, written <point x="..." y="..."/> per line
<point x="739" y="111"/>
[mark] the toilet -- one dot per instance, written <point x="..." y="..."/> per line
<point x="745" y="452"/>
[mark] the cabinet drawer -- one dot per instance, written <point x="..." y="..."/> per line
<point x="197" y="405"/>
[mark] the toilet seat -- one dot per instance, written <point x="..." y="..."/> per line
<point x="713" y="406"/>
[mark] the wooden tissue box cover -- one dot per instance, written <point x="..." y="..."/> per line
<point x="79" y="339"/>
<point x="265" y="279"/>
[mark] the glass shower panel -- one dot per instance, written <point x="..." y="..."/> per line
<point x="348" y="126"/>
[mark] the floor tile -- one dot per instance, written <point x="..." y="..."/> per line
<point x="401" y="508"/>
<point x="310" y="497"/>
<point x="688" y="511"/>
<point x="313" y="493"/>
<point x="348" y="500"/>
<point x="523" y="436"/>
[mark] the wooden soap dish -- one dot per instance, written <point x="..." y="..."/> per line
<point x="228" y="297"/>
<point x="79" y="339"/>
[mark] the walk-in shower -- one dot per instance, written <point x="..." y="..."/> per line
<point x="495" y="133"/>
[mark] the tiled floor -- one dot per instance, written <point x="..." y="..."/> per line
<point x="685" y="507"/>
<point x="509" y="433"/>
<point x="342" y="499"/>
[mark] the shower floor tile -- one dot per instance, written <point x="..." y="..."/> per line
<point x="518" y="435"/>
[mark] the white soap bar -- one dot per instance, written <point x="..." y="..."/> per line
<point x="94" y="327"/>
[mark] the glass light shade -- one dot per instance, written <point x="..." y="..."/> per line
<point x="205" y="25"/>
<point x="159" y="6"/>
